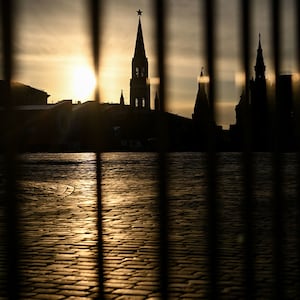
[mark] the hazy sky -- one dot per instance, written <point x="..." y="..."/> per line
<point x="53" y="49"/>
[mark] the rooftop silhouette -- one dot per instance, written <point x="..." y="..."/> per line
<point x="125" y="125"/>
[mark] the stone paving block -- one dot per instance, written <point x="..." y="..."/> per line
<point x="131" y="292"/>
<point x="113" y="265"/>
<point x="78" y="298"/>
<point x="49" y="291"/>
<point x="198" y="282"/>
<point x="193" y="296"/>
<point x="153" y="283"/>
<point x="73" y="292"/>
<point x="119" y="285"/>
<point x="131" y="297"/>
<point x="25" y="295"/>
<point x="62" y="281"/>
<point x="88" y="283"/>
<point x="95" y="289"/>
<point x="110" y="296"/>
<point x="43" y="285"/>
<point x="48" y="297"/>
<point x="75" y="287"/>
<point x="148" y="287"/>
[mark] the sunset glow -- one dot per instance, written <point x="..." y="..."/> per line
<point x="83" y="82"/>
<point x="57" y="60"/>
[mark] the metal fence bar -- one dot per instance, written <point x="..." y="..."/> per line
<point x="162" y="149"/>
<point x="95" y="9"/>
<point x="213" y="253"/>
<point x="10" y="162"/>
<point x="296" y="91"/>
<point x="247" y="160"/>
<point x="278" y="200"/>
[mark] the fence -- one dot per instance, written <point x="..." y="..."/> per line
<point x="247" y="206"/>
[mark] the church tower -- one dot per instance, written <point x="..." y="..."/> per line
<point x="260" y="67"/>
<point x="201" y="109"/>
<point x="203" y="120"/>
<point x="259" y="100"/>
<point x="258" y="86"/>
<point x="139" y="87"/>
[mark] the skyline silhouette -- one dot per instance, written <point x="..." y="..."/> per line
<point x="132" y="126"/>
<point x="47" y="53"/>
<point x="198" y="212"/>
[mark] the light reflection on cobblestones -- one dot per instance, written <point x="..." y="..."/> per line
<point x="58" y="215"/>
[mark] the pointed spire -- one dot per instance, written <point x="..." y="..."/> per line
<point x="139" y="87"/>
<point x="122" y="98"/>
<point x="139" y="45"/>
<point x="201" y="108"/>
<point x="260" y="67"/>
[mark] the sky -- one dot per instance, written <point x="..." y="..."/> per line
<point x="52" y="49"/>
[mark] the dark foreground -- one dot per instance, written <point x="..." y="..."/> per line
<point x="59" y="236"/>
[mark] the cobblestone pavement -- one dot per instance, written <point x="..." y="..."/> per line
<point x="59" y="239"/>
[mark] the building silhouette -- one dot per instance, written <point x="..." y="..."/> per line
<point x="268" y="114"/>
<point x="122" y="99"/>
<point x="201" y="115"/>
<point x="260" y="117"/>
<point x="22" y="94"/>
<point x="253" y="112"/>
<point x="204" y="125"/>
<point x="139" y="82"/>
<point x="119" y="127"/>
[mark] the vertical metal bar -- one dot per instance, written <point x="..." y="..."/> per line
<point x="9" y="126"/>
<point x="296" y="93"/>
<point x="163" y="199"/>
<point x="278" y="241"/>
<point x="213" y="255"/>
<point x="95" y="7"/>
<point x="247" y="160"/>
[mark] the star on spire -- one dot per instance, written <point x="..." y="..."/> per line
<point x="139" y="12"/>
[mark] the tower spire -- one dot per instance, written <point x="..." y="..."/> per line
<point x="139" y="87"/>
<point x="122" y="98"/>
<point x="260" y="67"/>
<point x="201" y="109"/>
<point x="139" y="44"/>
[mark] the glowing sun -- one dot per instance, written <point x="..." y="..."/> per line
<point x="83" y="83"/>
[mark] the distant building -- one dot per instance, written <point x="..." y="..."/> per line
<point x="122" y="102"/>
<point x="23" y="94"/>
<point x="41" y="127"/>
<point x="260" y="109"/>
<point x="204" y="125"/>
<point x="139" y="82"/>
<point x="256" y="117"/>
<point x="201" y="115"/>
<point x="253" y="113"/>
<point x="286" y="109"/>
